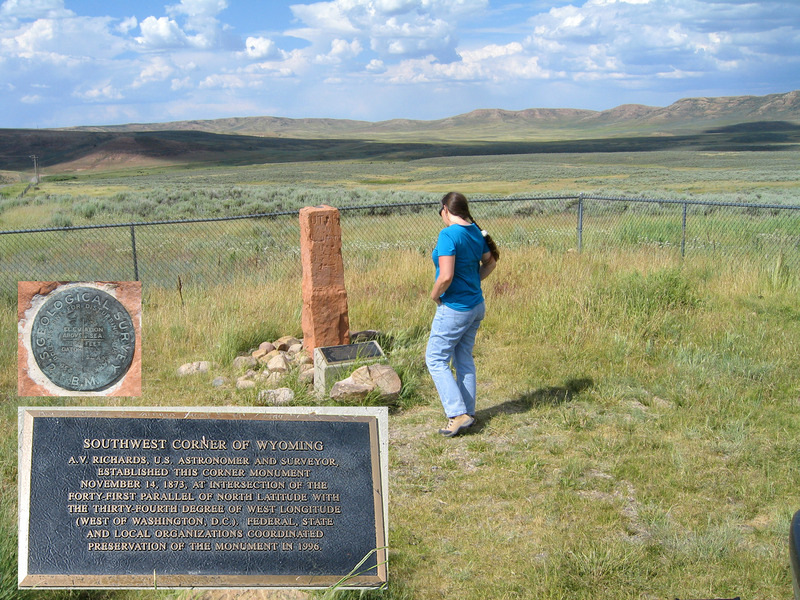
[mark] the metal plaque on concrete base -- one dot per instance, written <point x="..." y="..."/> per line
<point x="202" y="497"/>
<point x="331" y="362"/>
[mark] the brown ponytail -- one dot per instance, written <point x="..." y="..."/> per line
<point x="457" y="205"/>
<point x="489" y="242"/>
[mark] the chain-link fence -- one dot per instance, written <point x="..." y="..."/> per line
<point x="202" y="252"/>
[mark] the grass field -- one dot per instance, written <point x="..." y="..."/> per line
<point x="210" y="252"/>
<point x="636" y="432"/>
<point x="180" y="192"/>
<point x="637" y="418"/>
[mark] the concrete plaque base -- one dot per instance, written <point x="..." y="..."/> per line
<point x="330" y="362"/>
<point x="202" y="497"/>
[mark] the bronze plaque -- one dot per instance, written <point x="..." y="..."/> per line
<point x="200" y="497"/>
<point x="351" y="352"/>
<point x="83" y="339"/>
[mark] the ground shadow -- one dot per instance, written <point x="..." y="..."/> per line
<point x="548" y="396"/>
<point x="205" y="147"/>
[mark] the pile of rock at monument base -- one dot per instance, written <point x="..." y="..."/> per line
<point x="272" y="362"/>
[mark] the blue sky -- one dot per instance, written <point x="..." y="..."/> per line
<point x="92" y="62"/>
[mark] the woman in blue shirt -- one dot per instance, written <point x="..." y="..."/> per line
<point x="464" y="256"/>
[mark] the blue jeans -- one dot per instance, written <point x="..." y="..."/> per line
<point x="451" y="341"/>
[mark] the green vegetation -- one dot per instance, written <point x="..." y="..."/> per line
<point x="12" y="184"/>
<point x="201" y="254"/>
<point x="179" y="192"/>
<point x="638" y="414"/>
<point x="636" y="431"/>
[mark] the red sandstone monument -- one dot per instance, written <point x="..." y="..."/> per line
<point x="325" y="321"/>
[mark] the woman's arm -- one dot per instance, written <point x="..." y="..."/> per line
<point x="488" y="263"/>
<point x="447" y="268"/>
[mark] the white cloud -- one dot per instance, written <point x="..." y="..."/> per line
<point x="156" y="70"/>
<point x="127" y="25"/>
<point x="62" y="41"/>
<point x="30" y="40"/>
<point x="34" y="9"/>
<point x="638" y="39"/>
<point x="261" y="47"/>
<point x="491" y="51"/>
<point x="201" y="17"/>
<point x="181" y="84"/>
<point x="340" y="50"/>
<point x="678" y="74"/>
<point x="325" y="16"/>
<point x="611" y="2"/>
<point x="384" y="48"/>
<point x="194" y="8"/>
<point x="414" y="70"/>
<point x="493" y="63"/>
<point x="389" y="7"/>
<point x="100" y="92"/>
<point x="225" y="81"/>
<point x="160" y="33"/>
<point x="399" y="28"/>
<point x="376" y="66"/>
<point x="412" y="36"/>
<point x="280" y="69"/>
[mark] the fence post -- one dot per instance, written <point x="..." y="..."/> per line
<point x="580" y="222"/>
<point x="135" y="261"/>
<point x="683" y="233"/>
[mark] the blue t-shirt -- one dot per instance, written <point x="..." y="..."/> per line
<point x="468" y="246"/>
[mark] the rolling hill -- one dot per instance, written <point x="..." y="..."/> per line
<point x="684" y="116"/>
<point x="729" y="123"/>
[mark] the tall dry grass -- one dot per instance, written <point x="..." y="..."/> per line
<point x="637" y="421"/>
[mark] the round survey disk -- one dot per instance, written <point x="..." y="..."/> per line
<point x="83" y="339"/>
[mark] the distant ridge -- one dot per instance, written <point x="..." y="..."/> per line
<point x="738" y="123"/>
<point x="683" y="116"/>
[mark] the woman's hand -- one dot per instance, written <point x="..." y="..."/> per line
<point x="488" y="263"/>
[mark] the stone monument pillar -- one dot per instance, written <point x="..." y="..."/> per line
<point x="325" y="321"/>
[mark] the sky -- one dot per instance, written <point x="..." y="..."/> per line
<point x="104" y="62"/>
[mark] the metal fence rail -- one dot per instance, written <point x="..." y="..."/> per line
<point x="203" y="252"/>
